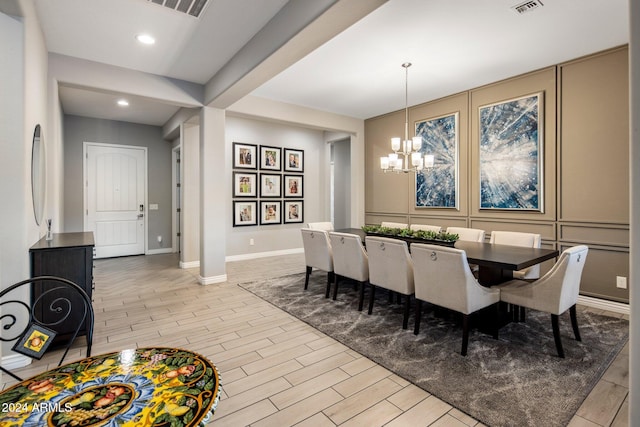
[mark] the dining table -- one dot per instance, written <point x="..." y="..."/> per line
<point x="134" y="387"/>
<point x="496" y="263"/>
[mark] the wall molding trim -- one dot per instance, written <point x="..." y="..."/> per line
<point x="160" y="251"/>
<point x="15" y="361"/>
<point x="603" y="304"/>
<point x="212" y="279"/>
<point x="190" y="264"/>
<point x="256" y="255"/>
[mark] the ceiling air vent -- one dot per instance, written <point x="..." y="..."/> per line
<point x="190" y="7"/>
<point x="527" y="6"/>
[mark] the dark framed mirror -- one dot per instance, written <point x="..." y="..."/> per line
<point x="38" y="173"/>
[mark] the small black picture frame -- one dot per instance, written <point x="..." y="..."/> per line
<point x="270" y="212"/>
<point x="270" y="185"/>
<point x="293" y="186"/>
<point x="293" y="211"/>
<point x="35" y="341"/>
<point x="244" y="184"/>
<point x="270" y="158"/>
<point x="245" y="213"/>
<point x="293" y="160"/>
<point x="245" y="156"/>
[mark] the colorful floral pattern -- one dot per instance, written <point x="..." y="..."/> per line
<point x="143" y="387"/>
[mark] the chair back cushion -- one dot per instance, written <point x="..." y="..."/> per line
<point x="349" y="257"/>
<point x="390" y="264"/>
<point x="393" y="224"/>
<point x="514" y="238"/>
<point x="326" y="226"/>
<point x="558" y="290"/>
<point x="443" y="277"/>
<point x="317" y="249"/>
<point x="467" y="234"/>
<point x="576" y="258"/>
<point x="425" y="227"/>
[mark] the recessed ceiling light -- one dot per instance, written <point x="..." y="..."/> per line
<point x="123" y="103"/>
<point x="145" y="39"/>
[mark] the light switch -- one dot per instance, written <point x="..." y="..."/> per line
<point x="153" y="207"/>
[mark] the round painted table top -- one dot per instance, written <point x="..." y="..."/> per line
<point x="142" y="387"/>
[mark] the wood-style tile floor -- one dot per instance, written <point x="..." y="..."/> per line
<point x="275" y="369"/>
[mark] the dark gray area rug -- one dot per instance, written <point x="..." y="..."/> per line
<point x="513" y="381"/>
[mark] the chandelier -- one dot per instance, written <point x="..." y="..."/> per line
<point x="408" y="148"/>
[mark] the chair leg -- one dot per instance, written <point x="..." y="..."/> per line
<point x="372" y="297"/>
<point x="407" y="306"/>
<point x="361" y="297"/>
<point x="330" y="278"/>
<point x="574" y="322"/>
<point x="306" y="278"/>
<point x="465" y="334"/>
<point x="556" y="334"/>
<point x="523" y="314"/>
<point x="335" y="287"/>
<point x="416" y="327"/>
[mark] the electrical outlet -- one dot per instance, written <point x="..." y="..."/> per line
<point x="621" y="282"/>
<point x="251" y="242"/>
<point x="159" y="239"/>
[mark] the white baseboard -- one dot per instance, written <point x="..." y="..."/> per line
<point x="190" y="264"/>
<point x="603" y="304"/>
<point x="160" y="251"/>
<point x="256" y="255"/>
<point x="15" y="361"/>
<point x="212" y="279"/>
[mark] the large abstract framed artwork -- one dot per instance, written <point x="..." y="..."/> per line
<point x="511" y="155"/>
<point x="437" y="187"/>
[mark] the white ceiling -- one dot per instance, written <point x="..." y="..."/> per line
<point x="453" y="45"/>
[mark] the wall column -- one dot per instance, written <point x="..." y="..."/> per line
<point x="213" y="196"/>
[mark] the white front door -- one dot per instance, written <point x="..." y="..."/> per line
<point x="115" y="178"/>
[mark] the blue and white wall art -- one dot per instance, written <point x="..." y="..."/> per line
<point x="437" y="187"/>
<point x="511" y="153"/>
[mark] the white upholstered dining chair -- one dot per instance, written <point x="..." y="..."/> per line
<point x="425" y="227"/>
<point x="350" y="260"/>
<point x="514" y="238"/>
<point x="393" y="224"/>
<point x="555" y="292"/>
<point x="326" y="226"/>
<point x="443" y="278"/>
<point x="317" y="254"/>
<point x="391" y="268"/>
<point x="467" y="234"/>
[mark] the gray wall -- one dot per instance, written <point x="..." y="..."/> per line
<point x="282" y="236"/>
<point x="78" y="130"/>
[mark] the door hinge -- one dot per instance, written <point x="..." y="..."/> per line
<point x="178" y="210"/>
<point x="178" y="185"/>
<point x="178" y="234"/>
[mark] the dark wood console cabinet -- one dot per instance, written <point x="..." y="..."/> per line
<point x="70" y="256"/>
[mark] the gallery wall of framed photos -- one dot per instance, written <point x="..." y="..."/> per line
<point x="268" y="185"/>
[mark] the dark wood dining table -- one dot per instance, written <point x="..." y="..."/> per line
<point x="137" y="387"/>
<point x="496" y="262"/>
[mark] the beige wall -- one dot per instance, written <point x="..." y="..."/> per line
<point x="585" y="168"/>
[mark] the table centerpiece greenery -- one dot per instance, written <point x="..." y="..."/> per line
<point x="411" y="234"/>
